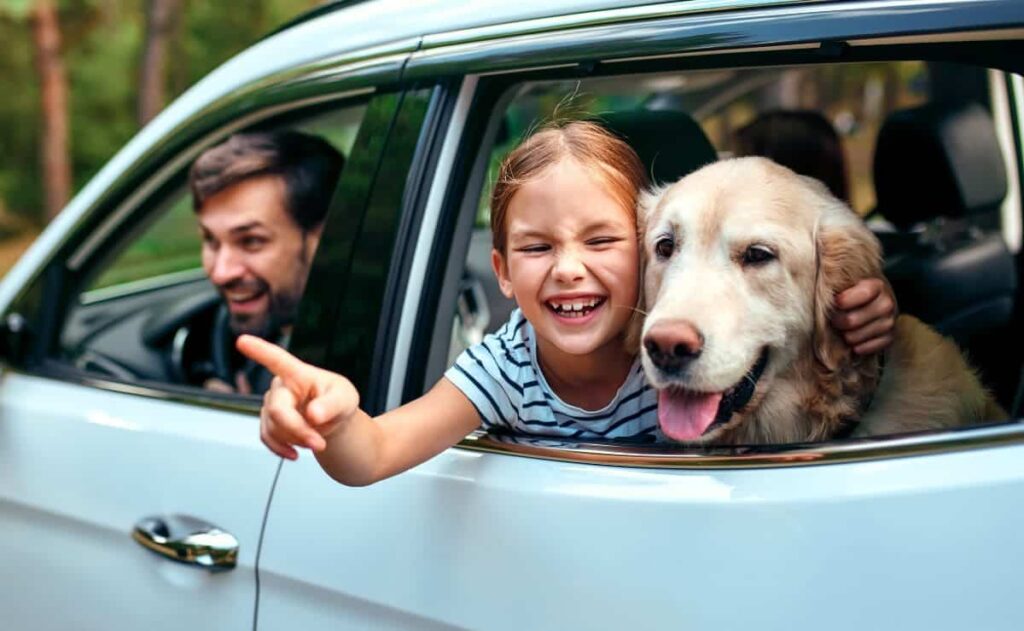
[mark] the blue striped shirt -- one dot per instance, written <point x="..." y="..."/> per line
<point x="501" y="377"/>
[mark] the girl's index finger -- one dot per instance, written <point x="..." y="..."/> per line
<point x="274" y="358"/>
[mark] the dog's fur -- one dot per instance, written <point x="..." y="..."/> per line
<point x="813" y="387"/>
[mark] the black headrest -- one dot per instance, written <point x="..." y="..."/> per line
<point x="669" y="143"/>
<point x="802" y="140"/>
<point x="938" y="161"/>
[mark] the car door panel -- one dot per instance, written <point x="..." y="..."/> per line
<point x="85" y="457"/>
<point x="488" y="541"/>
<point x="81" y="466"/>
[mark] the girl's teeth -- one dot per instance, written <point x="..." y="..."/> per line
<point x="574" y="309"/>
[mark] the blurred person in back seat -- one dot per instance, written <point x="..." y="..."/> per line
<point x="803" y="140"/>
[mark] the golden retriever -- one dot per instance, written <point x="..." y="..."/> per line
<point x="742" y="261"/>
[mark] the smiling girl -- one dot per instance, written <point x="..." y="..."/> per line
<point x="565" y="249"/>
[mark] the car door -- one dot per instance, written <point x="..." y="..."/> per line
<point x="128" y="500"/>
<point x="519" y="533"/>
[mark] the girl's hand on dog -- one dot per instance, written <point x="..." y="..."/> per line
<point x="865" y="315"/>
<point x="304" y="404"/>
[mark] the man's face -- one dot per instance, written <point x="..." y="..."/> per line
<point x="255" y="254"/>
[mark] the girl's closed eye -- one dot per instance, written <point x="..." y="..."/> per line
<point x="533" y="248"/>
<point x="603" y="240"/>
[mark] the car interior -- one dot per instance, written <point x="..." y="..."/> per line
<point x="148" y="311"/>
<point x="925" y="169"/>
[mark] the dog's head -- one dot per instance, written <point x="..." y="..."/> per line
<point x="743" y="259"/>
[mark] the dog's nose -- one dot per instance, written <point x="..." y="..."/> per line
<point x="673" y="344"/>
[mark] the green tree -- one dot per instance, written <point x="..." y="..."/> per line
<point x="103" y="49"/>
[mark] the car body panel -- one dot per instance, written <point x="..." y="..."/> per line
<point x="484" y="541"/>
<point x="81" y="466"/>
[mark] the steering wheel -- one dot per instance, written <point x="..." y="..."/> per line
<point x="221" y="341"/>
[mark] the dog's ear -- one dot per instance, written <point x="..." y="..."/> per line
<point x="847" y="252"/>
<point x="647" y="201"/>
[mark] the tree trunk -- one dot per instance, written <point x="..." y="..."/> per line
<point x="53" y="92"/>
<point x="161" y="16"/>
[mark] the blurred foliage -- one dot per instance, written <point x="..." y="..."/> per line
<point x="102" y="49"/>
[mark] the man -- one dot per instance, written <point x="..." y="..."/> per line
<point x="260" y="200"/>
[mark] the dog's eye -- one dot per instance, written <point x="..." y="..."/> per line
<point x="757" y="255"/>
<point x="664" y="247"/>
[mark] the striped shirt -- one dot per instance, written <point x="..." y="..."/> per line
<point x="501" y="377"/>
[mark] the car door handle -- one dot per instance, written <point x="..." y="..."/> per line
<point x="188" y="540"/>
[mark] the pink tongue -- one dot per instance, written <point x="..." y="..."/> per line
<point x="685" y="416"/>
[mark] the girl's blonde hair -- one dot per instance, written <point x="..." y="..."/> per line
<point x="590" y="145"/>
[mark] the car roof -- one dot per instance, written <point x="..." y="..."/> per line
<point x="473" y="12"/>
<point x="375" y="23"/>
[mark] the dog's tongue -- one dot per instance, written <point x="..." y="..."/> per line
<point x="685" y="416"/>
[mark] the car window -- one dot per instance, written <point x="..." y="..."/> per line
<point x="169" y="244"/>
<point x="855" y="127"/>
<point x="173" y="286"/>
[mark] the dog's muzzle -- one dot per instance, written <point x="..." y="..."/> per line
<point x="687" y="416"/>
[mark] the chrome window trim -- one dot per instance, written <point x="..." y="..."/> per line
<point x="845" y="452"/>
<point x="1009" y="211"/>
<point x="717" y="51"/>
<point x="986" y="35"/>
<point x="1017" y="90"/>
<point x="145" y="284"/>
<point x="425" y="240"/>
<point x="127" y="207"/>
<point x="194" y="396"/>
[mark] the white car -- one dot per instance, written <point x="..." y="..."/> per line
<point x="131" y="500"/>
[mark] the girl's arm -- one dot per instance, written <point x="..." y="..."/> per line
<point x="310" y="407"/>
<point x="865" y="315"/>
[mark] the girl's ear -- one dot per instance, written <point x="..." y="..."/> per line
<point x="501" y="273"/>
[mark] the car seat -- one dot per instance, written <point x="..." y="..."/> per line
<point x="940" y="180"/>
<point x="802" y="140"/>
<point x="669" y="142"/>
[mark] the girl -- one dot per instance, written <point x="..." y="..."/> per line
<point x="563" y="222"/>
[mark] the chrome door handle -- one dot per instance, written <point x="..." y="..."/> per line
<point x="188" y="540"/>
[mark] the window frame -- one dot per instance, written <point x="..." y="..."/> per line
<point x="856" y="32"/>
<point x="46" y="300"/>
<point x="348" y="333"/>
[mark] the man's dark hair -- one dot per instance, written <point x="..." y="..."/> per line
<point x="308" y="165"/>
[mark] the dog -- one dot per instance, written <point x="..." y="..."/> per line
<point x="742" y="261"/>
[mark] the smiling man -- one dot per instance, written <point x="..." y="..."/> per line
<point x="260" y="199"/>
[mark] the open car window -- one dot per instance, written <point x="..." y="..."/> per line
<point x="876" y="134"/>
<point x="148" y="311"/>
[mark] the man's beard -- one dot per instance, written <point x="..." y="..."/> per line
<point x="281" y="309"/>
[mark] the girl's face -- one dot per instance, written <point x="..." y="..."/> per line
<point x="571" y="262"/>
